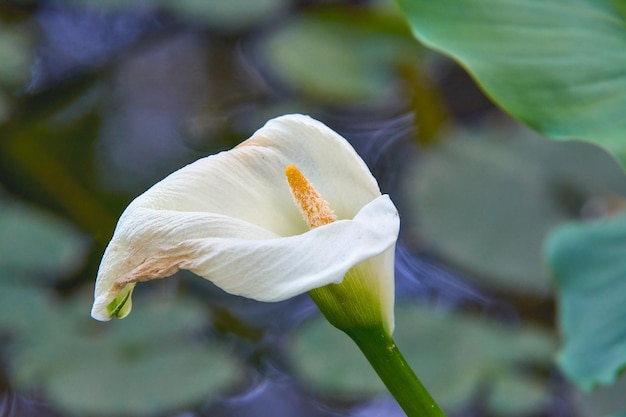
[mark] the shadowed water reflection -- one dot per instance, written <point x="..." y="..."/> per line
<point x="19" y="405"/>
<point x="77" y="39"/>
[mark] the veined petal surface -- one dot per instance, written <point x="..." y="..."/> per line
<point x="231" y="219"/>
<point x="248" y="182"/>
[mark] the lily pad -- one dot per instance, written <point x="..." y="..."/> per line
<point x="486" y="202"/>
<point x="334" y="62"/>
<point x="22" y="306"/>
<point x="146" y="364"/>
<point x="557" y="65"/>
<point x="455" y="356"/>
<point x="589" y="268"/>
<point x="37" y="242"/>
<point x="512" y="396"/>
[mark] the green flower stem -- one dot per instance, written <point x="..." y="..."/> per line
<point x="351" y="307"/>
<point x="384" y="356"/>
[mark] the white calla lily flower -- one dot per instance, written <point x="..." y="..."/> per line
<point x="247" y="220"/>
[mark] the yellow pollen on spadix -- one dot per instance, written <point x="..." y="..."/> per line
<point x="313" y="207"/>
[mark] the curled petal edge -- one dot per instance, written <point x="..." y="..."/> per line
<point x="257" y="267"/>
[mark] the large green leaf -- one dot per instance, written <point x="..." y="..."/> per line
<point x="588" y="262"/>
<point x="557" y="65"/>
<point x="457" y="357"/>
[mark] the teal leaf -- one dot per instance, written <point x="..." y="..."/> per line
<point x="588" y="263"/>
<point x="557" y="65"/>
<point x="486" y="200"/>
<point x="456" y="357"/>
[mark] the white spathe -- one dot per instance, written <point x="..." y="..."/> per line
<point x="231" y="219"/>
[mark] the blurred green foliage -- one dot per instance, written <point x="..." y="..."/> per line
<point x="462" y="359"/>
<point x="350" y="57"/>
<point x="36" y="246"/>
<point x="148" y="364"/>
<point x="481" y="199"/>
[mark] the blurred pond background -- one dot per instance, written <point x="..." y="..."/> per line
<point x="101" y="99"/>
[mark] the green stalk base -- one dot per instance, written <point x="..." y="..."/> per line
<point x="384" y="356"/>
